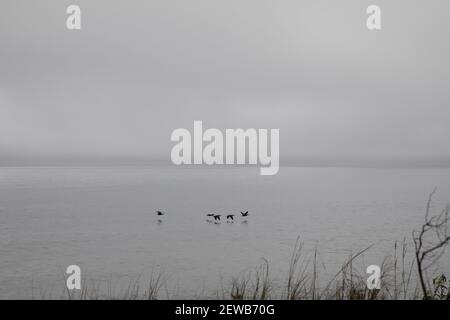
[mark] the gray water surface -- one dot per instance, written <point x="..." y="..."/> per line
<point x="102" y="219"/>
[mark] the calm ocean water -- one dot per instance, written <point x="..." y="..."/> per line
<point x="103" y="220"/>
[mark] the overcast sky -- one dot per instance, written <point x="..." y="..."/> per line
<point x="140" y="69"/>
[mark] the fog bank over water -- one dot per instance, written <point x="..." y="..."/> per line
<point x="356" y="162"/>
<point x="340" y="94"/>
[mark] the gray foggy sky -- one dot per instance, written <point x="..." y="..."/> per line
<point x="140" y="69"/>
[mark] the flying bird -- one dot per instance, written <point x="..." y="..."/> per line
<point x="159" y="213"/>
<point x="217" y="217"/>
<point x="210" y="215"/>
<point x="244" y="214"/>
<point x="230" y="216"/>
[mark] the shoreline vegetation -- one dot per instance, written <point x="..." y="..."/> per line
<point x="409" y="273"/>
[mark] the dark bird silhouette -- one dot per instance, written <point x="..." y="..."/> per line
<point x="217" y="217"/>
<point x="159" y="213"/>
<point x="210" y="215"/>
<point x="244" y="214"/>
<point x="230" y="216"/>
